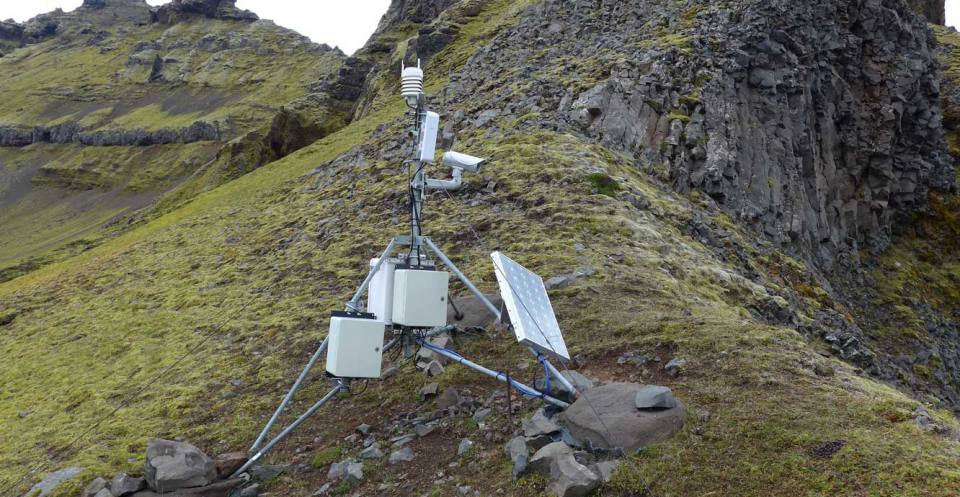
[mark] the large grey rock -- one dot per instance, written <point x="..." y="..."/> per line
<point x="569" y="478"/>
<point x="104" y="492"/>
<point x="49" y="483"/>
<point x="124" y="484"/>
<point x="543" y="459"/>
<point x="174" y="465"/>
<point x="655" y="397"/>
<point x="353" y="472"/>
<point x="516" y="450"/>
<point x="607" y="417"/>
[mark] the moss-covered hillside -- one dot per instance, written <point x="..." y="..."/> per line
<point x="113" y="110"/>
<point x="194" y="323"/>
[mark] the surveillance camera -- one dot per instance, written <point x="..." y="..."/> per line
<point x="456" y="160"/>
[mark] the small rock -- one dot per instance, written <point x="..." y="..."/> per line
<point x="464" y="490"/>
<point x="403" y="455"/>
<point x="323" y="489"/>
<point x="448" y="399"/>
<point x="674" y="366"/>
<point x="337" y="470"/>
<point x="424" y="429"/>
<point x="229" y="463"/>
<point x="482" y="414"/>
<point x="539" y="425"/>
<point x="267" y="472"/>
<point x="363" y="429"/>
<point x="433" y="368"/>
<point x="655" y="397"/>
<point x="429" y="390"/>
<point x="402" y="440"/>
<point x="354" y="472"/>
<point x="251" y="491"/>
<point x="124" y="484"/>
<point x="466" y="445"/>
<point x="570" y="478"/>
<point x="173" y="465"/>
<point x="371" y="452"/>
<point x="387" y="373"/>
<point x="548" y="455"/>
<point x="94" y="486"/>
<point x="516" y="450"/>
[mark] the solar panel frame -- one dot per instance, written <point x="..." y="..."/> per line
<point x="531" y="313"/>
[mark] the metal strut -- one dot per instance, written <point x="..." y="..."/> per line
<point x="341" y="386"/>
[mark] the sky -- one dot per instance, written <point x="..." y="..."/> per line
<point x="343" y="23"/>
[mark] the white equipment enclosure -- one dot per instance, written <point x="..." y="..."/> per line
<point x="420" y="297"/>
<point x="356" y="345"/>
<point x="380" y="293"/>
<point x="528" y="304"/>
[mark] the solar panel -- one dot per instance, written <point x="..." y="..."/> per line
<point x="531" y="313"/>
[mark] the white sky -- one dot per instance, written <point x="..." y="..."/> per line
<point x="343" y="23"/>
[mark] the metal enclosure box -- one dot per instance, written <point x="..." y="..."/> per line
<point x="428" y="138"/>
<point x="355" y="349"/>
<point x="420" y="297"/>
<point x="380" y="292"/>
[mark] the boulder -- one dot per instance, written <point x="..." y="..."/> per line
<point x="104" y="493"/>
<point x="655" y="397"/>
<point x="174" y="465"/>
<point x="124" y="484"/>
<point x="607" y="417"/>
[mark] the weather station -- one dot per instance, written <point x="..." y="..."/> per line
<point x="407" y="294"/>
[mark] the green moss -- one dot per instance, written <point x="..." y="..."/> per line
<point x="326" y="457"/>
<point x="678" y="116"/>
<point x="7" y="316"/>
<point x="604" y="184"/>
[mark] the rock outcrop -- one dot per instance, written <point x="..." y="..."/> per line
<point x="73" y="133"/>
<point x="178" y="10"/>
<point x="816" y="123"/>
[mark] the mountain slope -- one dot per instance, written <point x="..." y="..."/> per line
<point x="238" y="281"/>
<point x="118" y="104"/>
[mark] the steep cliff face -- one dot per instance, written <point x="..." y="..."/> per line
<point x="818" y="124"/>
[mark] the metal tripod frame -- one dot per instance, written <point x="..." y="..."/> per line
<point x="258" y="450"/>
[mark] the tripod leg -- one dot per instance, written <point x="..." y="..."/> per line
<point x="290" y="394"/>
<point x="288" y="430"/>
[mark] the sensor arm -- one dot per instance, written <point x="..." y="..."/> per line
<point x="443" y="184"/>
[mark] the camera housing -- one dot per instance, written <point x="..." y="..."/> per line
<point x="457" y="160"/>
